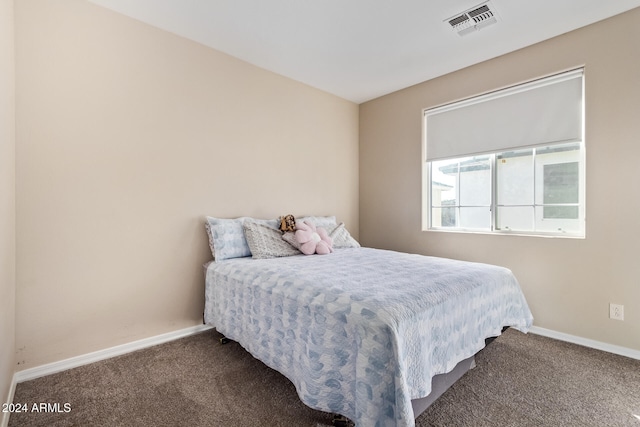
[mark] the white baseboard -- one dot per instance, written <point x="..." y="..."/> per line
<point x="85" y="359"/>
<point x="4" y="422"/>
<point x="598" y="345"/>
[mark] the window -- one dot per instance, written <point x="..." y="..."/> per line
<point x="501" y="178"/>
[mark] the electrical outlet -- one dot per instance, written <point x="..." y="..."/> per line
<point x="616" y="311"/>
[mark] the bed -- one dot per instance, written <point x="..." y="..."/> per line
<point x="362" y="332"/>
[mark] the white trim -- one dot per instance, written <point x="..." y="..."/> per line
<point x="598" y="345"/>
<point x="74" y="362"/>
<point x="4" y="422"/>
<point x="85" y="359"/>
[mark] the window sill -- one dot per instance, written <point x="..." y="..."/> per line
<point x="508" y="233"/>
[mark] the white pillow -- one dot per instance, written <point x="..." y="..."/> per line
<point x="326" y="222"/>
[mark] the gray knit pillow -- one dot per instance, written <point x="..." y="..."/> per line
<point x="266" y="242"/>
<point x="290" y="238"/>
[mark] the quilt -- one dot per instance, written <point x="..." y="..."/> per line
<point x="361" y="332"/>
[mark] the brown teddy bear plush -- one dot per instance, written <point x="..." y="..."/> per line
<point x="287" y="223"/>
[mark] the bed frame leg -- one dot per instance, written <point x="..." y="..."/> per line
<point x="340" y="421"/>
<point x="224" y="340"/>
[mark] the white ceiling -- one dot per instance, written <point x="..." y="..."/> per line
<point x="362" y="49"/>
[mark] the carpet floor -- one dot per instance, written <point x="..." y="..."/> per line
<point x="519" y="380"/>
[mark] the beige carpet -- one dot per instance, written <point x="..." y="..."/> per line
<point x="520" y="380"/>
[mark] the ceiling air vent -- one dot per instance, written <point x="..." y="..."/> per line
<point x="473" y="19"/>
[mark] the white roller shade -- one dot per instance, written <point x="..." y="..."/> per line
<point x="540" y="112"/>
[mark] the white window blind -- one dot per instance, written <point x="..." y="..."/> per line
<point x="541" y="112"/>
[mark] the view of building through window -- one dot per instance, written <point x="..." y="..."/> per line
<point x="528" y="190"/>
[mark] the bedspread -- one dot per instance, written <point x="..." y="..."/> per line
<point x="360" y="332"/>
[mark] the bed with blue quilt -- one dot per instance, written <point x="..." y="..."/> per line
<point x="362" y="332"/>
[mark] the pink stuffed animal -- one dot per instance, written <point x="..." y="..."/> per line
<point x="313" y="240"/>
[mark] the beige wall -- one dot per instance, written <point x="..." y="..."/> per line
<point x="126" y="137"/>
<point x="568" y="283"/>
<point x="7" y="200"/>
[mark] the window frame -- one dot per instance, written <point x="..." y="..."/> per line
<point x="427" y="196"/>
